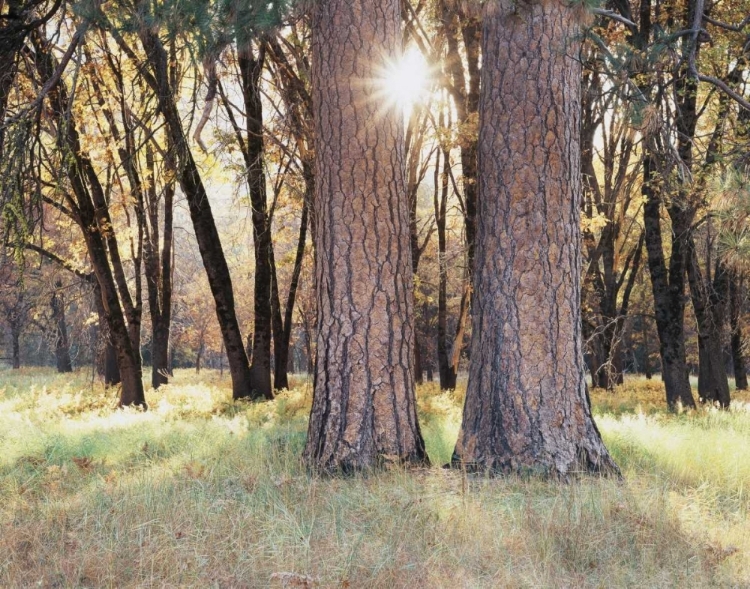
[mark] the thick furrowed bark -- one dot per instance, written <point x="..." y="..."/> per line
<point x="527" y="408"/>
<point x="364" y="406"/>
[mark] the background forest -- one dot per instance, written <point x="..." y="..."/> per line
<point x="663" y="160"/>
<point x="184" y="131"/>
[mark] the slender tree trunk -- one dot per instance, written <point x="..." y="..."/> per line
<point x="298" y="104"/>
<point x="527" y="408"/>
<point x="459" y="24"/>
<point x="206" y="233"/>
<point x="364" y="405"/>
<point x="281" y="343"/>
<point x="108" y="355"/>
<point x="158" y="270"/>
<point x="15" y="334"/>
<point x="445" y="367"/>
<point x="668" y="287"/>
<point x="713" y="386"/>
<point x="251" y="67"/>
<point x="735" y="313"/>
<point x="463" y="320"/>
<point x="62" y="347"/>
<point x="91" y="211"/>
<point x="418" y="370"/>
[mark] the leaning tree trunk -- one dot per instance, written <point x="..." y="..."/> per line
<point x="281" y="343"/>
<point x="527" y="408"/>
<point x="364" y="405"/>
<point x="91" y="207"/>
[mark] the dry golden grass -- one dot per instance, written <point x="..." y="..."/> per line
<point x="200" y="492"/>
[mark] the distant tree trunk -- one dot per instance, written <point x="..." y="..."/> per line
<point x="158" y="266"/>
<point x="445" y="367"/>
<point x="15" y="335"/>
<point x="364" y="405"/>
<point x="298" y="103"/>
<point x="62" y="347"/>
<point x="251" y="67"/>
<point x="108" y="362"/>
<point x="418" y="371"/>
<point x="735" y="312"/>
<point x="463" y="320"/>
<point x="281" y="343"/>
<point x="708" y="305"/>
<point x="89" y="201"/>
<point x="668" y="287"/>
<point x="647" y="371"/>
<point x="526" y="407"/>
<point x="206" y="233"/>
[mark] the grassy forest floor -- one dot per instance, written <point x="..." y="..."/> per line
<point x="201" y="492"/>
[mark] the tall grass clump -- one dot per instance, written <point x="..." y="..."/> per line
<point x="203" y="492"/>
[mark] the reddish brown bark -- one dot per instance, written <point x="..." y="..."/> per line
<point x="526" y="404"/>
<point x="364" y="407"/>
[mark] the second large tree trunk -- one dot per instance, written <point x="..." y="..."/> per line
<point x="364" y="406"/>
<point x="526" y="404"/>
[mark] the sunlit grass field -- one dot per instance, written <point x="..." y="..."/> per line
<point x="200" y="492"/>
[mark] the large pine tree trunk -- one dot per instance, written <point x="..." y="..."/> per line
<point x="526" y="404"/>
<point x="364" y="406"/>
